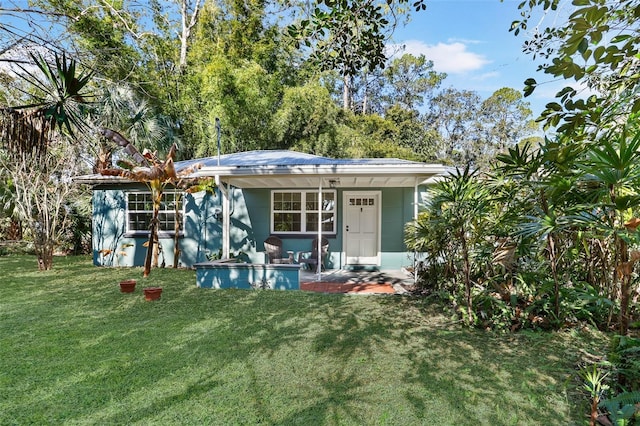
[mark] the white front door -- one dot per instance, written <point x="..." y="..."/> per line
<point x="361" y="219"/>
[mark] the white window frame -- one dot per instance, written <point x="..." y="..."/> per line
<point x="303" y="211"/>
<point x="161" y="232"/>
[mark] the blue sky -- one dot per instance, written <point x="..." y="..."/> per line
<point x="471" y="42"/>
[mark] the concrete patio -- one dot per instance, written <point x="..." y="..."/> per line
<point x="356" y="281"/>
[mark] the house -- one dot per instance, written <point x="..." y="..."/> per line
<point x="363" y="207"/>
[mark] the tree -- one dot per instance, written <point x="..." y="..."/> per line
<point x="349" y="35"/>
<point x="36" y="148"/>
<point x="122" y="108"/>
<point x="504" y="119"/>
<point x="410" y="80"/>
<point x="153" y="172"/>
<point x="453" y="115"/>
<point x="596" y="47"/>
<point x="307" y="121"/>
<point x="613" y="171"/>
<point x="43" y="191"/>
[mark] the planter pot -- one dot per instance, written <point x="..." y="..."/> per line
<point x="152" y="293"/>
<point x="127" y="286"/>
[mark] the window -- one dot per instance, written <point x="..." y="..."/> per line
<point x="140" y="211"/>
<point x="296" y="212"/>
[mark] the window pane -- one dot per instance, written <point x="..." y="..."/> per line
<point x="327" y="222"/>
<point x="312" y="222"/>
<point x="139" y="221"/>
<point x="287" y="222"/>
<point x="312" y="201"/>
<point x="328" y="201"/>
<point x="140" y="209"/>
<point x="296" y="201"/>
<point x="287" y="201"/>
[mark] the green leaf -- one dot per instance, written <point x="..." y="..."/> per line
<point x="582" y="46"/>
<point x="620" y="38"/>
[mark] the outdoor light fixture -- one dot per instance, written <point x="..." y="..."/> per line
<point x="333" y="183"/>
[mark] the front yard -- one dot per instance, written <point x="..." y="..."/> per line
<point x="74" y="350"/>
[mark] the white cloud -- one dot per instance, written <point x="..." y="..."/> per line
<point x="452" y="58"/>
<point x="487" y="76"/>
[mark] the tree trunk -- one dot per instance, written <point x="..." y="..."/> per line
<point x="188" y="22"/>
<point x="625" y="286"/>
<point x="365" y="97"/>
<point x="554" y="272"/>
<point x="346" y="92"/>
<point x="467" y="276"/>
<point x="149" y="255"/>
<point x="153" y="232"/>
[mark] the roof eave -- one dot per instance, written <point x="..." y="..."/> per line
<point x="378" y="169"/>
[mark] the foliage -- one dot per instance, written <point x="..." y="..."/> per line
<point x="458" y="205"/>
<point x="39" y="159"/>
<point x="559" y="243"/>
<point x="61" y="94"/>
<point x="156" y="174"/>
<point x="624" y="354"/>
<point x="348" y="35"/>
<point x="596" y="46"/>
<point x="594" y="383"/>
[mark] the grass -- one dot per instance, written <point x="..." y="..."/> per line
<point x="74" y="350"/>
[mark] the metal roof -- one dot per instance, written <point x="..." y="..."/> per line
<point x="291" y="169"/>
<point x="285" y="158"/>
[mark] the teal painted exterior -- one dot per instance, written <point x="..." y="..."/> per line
<point x="250" y="226"/>
<point x="247" y="276"/>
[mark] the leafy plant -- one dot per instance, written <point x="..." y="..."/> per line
<point x="623" y="408"/>
<point x="594" y="383"/>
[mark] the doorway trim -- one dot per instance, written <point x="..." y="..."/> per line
<point x="377" y="195"/>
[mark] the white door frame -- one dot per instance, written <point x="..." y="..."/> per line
<point x="345" y="221"/>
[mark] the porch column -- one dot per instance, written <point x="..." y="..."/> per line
<point x="415" y="218"/>
<point x="226" y="224"/>
<point x="319" y="247"/>
<point x="225" y="217"/>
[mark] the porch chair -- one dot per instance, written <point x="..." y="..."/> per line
<point x="310" y="258"/>
<point x="273" y="248"/>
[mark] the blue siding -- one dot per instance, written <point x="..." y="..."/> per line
<point x="250" y="223"/>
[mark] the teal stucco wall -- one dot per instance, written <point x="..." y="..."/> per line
<point x="250" y="226"/>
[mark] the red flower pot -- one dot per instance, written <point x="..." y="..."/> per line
<point x="152" y="293"/>
<point x="127" y="286"/>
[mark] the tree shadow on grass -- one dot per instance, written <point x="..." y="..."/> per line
<point x="92" y="349"/>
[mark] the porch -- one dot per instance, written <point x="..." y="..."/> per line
<point x="229" y="274"/>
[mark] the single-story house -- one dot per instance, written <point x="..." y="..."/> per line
<point x="363" y="208"/>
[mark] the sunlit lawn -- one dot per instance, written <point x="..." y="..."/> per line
<point x="74" y="350"/>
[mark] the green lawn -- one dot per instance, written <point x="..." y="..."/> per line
<point x="74" y="350"/>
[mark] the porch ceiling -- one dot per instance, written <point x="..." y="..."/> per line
<point x="353" y="176"/>
<point x="306" y="181"/>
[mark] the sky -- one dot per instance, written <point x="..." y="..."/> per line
<point x="470" y="41"/>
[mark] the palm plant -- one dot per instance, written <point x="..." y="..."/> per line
<point x="456" y="209"/>
<point x="152" y="171"/>
<point x="121" y="108"/>
<point x="60" y="92"/>
<point x="612" y="171"/>
<point x="57" y="97"/>
<point x="547" y="176"/>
